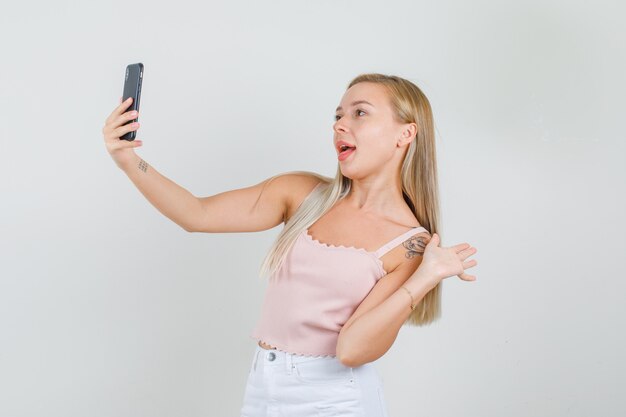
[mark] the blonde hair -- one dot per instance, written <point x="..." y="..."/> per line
<point x="419" y="185"/>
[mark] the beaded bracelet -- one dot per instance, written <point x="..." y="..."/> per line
<point x="413" y="305"/>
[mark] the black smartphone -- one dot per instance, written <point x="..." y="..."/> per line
<point x="132" y="88"/>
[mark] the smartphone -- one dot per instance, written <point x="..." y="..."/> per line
<point x="132" y="88"/>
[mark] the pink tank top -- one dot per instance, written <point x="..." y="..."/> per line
<point x="316" y="291"/>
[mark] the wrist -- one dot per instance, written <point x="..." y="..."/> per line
<point x="420" y="283"/>
<point x="127" y="163"/>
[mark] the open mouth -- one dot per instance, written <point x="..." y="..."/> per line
<point x="345" y="152"/>
<point x="346" y="148"/>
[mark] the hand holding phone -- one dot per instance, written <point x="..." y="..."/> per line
<point x="122" y="122"/>
<point x="132" y="88"/>
<point x="120" y="150"/>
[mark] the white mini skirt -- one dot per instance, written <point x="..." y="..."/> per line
<point x="282" y="384"/>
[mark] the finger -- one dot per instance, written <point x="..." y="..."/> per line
<point x="470" y="263"/>
<point x="119" y="109"/>
<point x="120" y="131"/>
<point x="122" y="144"/>
<point x="467" y="252"/>
<point x="461" y="246"/>
<point x="466" y="277"/>
<point x="123" y="105"/>
<point x="123" y="118"/>
<point x="113" y="133"/>
<point x="120" y="120"/>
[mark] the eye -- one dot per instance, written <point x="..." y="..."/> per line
<point x="337" y="117"/>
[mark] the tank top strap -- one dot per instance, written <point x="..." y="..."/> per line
<point x="394" y="242"/>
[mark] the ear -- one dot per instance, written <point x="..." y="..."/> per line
<point x="408" y="134"/>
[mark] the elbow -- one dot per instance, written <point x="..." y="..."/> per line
<point x="356" y="356"/>
<point x="350" y="361"/>
<point x="346" y="352"/>
<point x="346" y="359"/>
<point x="189" y="229"/>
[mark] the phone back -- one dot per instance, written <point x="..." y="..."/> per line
<point x="132" y="88"/>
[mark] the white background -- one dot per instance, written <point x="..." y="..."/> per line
<point x="108" y="308"/>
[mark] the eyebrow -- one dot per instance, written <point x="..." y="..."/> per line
<point x="354" y="103"/>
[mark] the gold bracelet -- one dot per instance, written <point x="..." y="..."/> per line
<point x="413" y="305"/>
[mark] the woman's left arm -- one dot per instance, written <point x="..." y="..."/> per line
<point x="374" y="325"/>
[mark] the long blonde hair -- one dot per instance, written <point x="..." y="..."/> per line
<point x="419" y="185"/>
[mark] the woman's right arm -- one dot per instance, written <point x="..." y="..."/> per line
<point x="255" y="208"/>
<point x="172" y="200"/>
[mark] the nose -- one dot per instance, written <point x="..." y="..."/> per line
<point x="339" y="126"/>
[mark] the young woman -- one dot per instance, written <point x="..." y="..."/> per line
<point x="358" y="256"/>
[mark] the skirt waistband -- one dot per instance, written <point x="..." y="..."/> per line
<point x="275" y="357"/>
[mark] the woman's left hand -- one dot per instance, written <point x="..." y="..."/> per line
<point x="439" y="263"/>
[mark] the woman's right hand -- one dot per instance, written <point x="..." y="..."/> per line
<point x="120" y="150"/>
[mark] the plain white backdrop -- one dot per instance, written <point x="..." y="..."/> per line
<point x="108" y="308"/>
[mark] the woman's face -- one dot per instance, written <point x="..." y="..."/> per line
<point x="364" y="119"/>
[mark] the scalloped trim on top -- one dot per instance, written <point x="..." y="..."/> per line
<point x="379" y="262"/>
<point x="285" y="349"/>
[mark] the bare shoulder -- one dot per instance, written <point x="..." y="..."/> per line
<point x="298" y="186"/>
<point x="410" y="252"/>
<point x="414" y="246"/>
